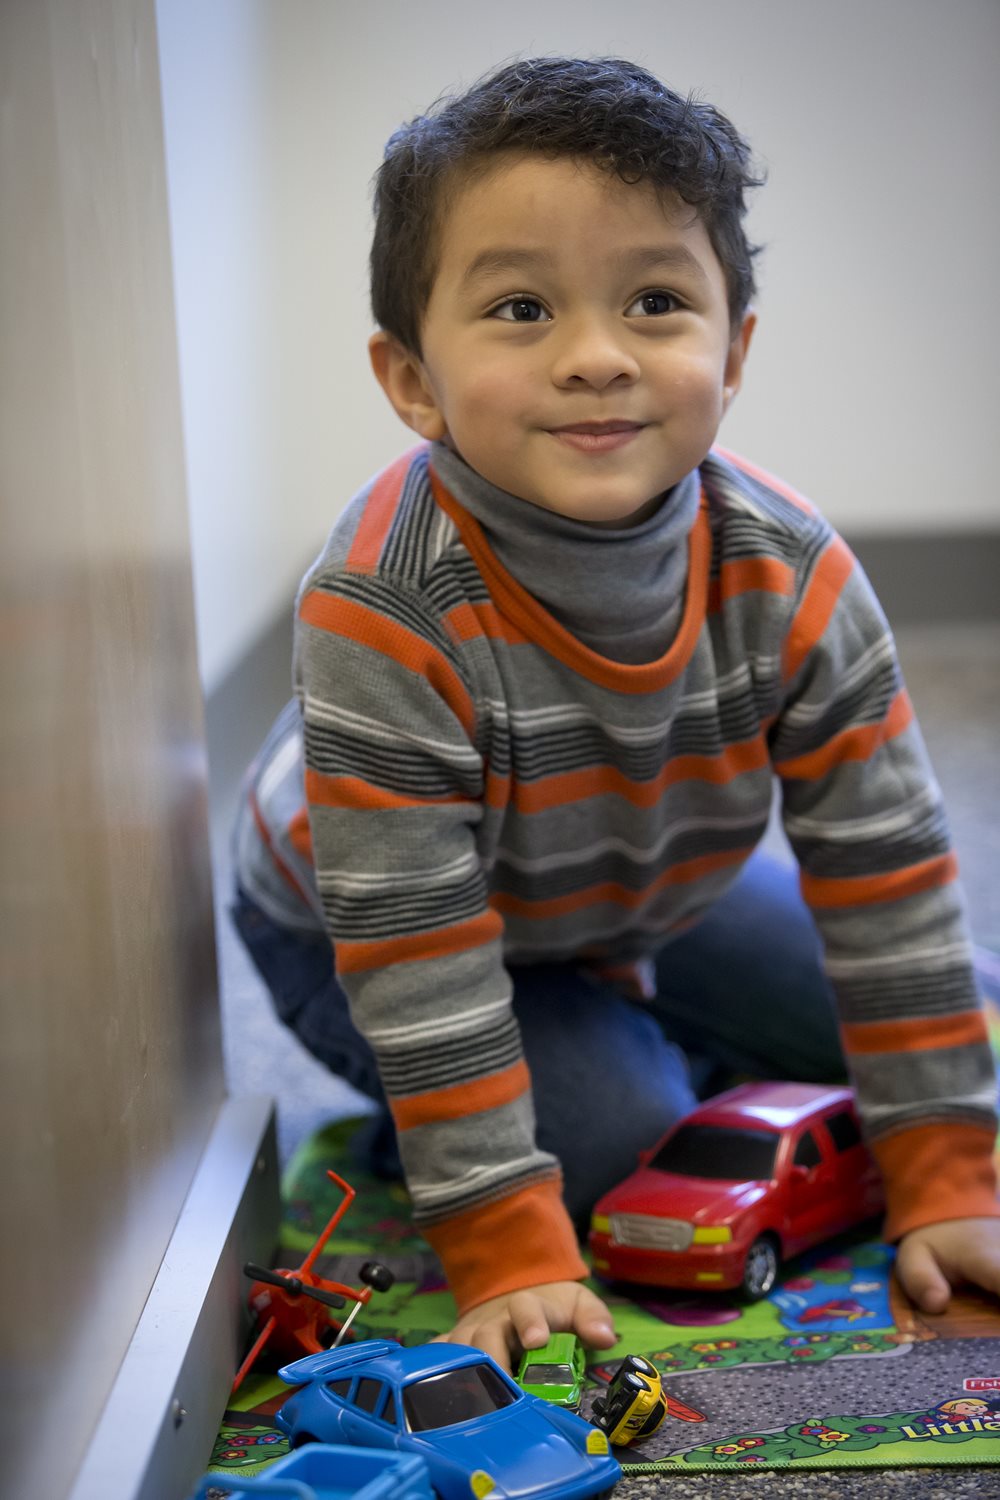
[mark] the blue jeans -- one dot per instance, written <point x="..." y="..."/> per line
<point x="742" y="993"/>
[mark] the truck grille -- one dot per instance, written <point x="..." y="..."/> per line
<point x="642" y="1232"/>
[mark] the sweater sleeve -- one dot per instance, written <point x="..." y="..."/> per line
<point x="395" y="785"/>
<point x="864" y="816"/>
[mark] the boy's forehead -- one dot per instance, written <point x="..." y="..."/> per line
<point x="520" y="210"/>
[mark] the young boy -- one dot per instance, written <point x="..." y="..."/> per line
<point x="548" y="667"/>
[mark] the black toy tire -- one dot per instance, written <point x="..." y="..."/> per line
<point x="761" y="1267"/>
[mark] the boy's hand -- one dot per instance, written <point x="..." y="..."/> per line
<point x="504" y="1326"/>
<point x="931" y="1262"/>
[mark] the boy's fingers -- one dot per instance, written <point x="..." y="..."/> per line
<point x="987" y="1274"/>
<point x="979" y="1264"/>
<point x="492" y="1336"/>
<point x="593" y="1321"/>
<point x="528" y="1317"/>
<point x="495" y="1341"/>
<point x="922" y="1277"/>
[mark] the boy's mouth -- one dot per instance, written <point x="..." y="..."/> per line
<point x="597" y="437"/>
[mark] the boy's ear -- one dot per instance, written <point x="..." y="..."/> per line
<point x="733" y="376"/>
<point x="402" y="376"/>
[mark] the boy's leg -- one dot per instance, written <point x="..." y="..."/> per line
<point x="606" y="1081"/>
<point x="746" y="988"/>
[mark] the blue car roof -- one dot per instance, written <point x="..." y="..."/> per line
<point x="383" y="1357"/>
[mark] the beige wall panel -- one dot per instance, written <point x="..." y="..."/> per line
<point x="111" y="1070"/>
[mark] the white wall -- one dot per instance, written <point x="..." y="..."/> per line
<point x="873" y="381"/>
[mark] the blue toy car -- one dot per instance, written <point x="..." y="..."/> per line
<point x="322" y="1472"/>
<point x="478" y="1432"/>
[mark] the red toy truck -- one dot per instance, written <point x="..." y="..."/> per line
<point x="750" y="1178"/>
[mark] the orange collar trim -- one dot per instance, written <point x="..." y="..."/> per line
<point x="513" y="601"/>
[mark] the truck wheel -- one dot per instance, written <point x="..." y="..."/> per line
<point x="760" y="1269"/>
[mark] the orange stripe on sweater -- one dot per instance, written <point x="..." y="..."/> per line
<point x="462" y="1099"/>
<point x="596" y="781"/>
<point x="859" y="743"/>
<point x="818" y="604"/>
<point x="521" y="1240"/>
<point x="417" y="947"/>
<point x="611" y="893"/>
<point x="351" y="794"/>
<point x="377" y="516"/>
<point x="374" y="631"/>
<point x="284" y="871"/>
<point x="961" y="1029"/>
<point x="300" y="835"/>
<point x="828" y="894"/>
<point x="471" y="622"/>
<point x="497" y="793"/>
<point x="749" y="575"/>
<point x="936" y="1172"/>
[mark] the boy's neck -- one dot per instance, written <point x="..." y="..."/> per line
<point x="621" y="592"/>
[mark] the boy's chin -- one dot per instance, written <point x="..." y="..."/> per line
<point x="633" y="516"/>
<point x="602" y="515"/>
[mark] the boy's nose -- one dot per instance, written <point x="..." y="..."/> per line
<point x="591" y="353"/>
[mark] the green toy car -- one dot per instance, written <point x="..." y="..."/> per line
<point x="554" y="1372"/>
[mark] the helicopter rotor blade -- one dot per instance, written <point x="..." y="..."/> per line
<point x="293" y="1285"/>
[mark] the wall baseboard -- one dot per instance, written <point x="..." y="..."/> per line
<point x="933" y="579"/>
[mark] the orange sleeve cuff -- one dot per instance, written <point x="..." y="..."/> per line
<point x="511" y="1243"/>
<point x="937" y="1172"/>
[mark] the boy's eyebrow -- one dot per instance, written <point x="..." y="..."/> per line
<point x="663" y="257"/>
<point x="491" y="262"/>
<point x="642" y="258"/>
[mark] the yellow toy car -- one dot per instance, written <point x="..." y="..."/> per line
<point x="634" y="1405"/>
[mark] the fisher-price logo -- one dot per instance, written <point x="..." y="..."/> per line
<point x="981" y="1383"/>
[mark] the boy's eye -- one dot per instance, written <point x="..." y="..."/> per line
<point x="652" y="305"/>
<point x="520" y="310"/>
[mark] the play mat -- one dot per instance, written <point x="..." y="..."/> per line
<point x="833" y="1368"/>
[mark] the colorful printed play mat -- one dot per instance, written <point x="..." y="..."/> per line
<point x="834" y="1368"/>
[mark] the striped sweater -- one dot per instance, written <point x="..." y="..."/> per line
<point x="488" y="781"/>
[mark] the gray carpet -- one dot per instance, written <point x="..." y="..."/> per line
<point x="953" y="673"/>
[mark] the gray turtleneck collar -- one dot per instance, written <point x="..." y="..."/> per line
<point x="620" y="592"/>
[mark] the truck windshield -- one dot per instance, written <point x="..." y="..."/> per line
<point x="717" y="1151"/>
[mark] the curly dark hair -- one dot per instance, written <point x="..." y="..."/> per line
<point x="610" y="112"/>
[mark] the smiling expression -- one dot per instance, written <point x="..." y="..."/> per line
<point x="577" y="349"/>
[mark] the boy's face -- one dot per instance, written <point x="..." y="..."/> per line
<point x="577" y="348"/>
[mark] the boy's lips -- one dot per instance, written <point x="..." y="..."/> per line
<point x="597" y="437"/>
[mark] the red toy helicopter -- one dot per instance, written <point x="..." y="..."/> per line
<point x="290" y="1303"/>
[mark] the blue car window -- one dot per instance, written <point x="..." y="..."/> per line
<point x="388" y="1412"/>
<point x="368" y="1394"/>
<point x="339" y="1387"/>
<point x="455" y="1396"/>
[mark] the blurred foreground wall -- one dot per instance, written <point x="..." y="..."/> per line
<point x="110" y="1071"/>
